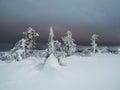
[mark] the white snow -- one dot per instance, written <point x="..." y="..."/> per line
<point x="98" y="72"/>
<point x="51" y="63"/>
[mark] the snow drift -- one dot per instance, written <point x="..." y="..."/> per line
<point x="51" y="63"/>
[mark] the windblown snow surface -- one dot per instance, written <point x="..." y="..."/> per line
<point x="98" y="72"/>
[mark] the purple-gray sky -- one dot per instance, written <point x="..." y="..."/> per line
<point x="82" y="17"/>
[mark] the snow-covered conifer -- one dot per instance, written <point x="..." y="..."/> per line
<point x="69" y="45"/>
<point x="18" y="52"/>
<point x="30" y="35"/>
<point x="51" y="51"/>
<point x="53" y="45"/>
<point x="57" y="45"/>
<point x="94" y="44"/>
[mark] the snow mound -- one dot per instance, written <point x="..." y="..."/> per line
<point x="52" y="62"/>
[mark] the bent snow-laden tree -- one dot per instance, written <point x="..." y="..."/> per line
<point x="30" y="36"/>
<point x="51" y="59"/>
<point x="69" y="45"/>
<point x="53" y="45"/>
<point x="18" y="52"/>
<point x="94" y="44"/>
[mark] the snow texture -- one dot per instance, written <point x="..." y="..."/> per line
<point x="51" y="62"/>
<point x="97" y="72"/>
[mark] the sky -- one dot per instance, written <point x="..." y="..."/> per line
<point x="81" y="17"/>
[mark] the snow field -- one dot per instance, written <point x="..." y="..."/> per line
<point x="98" y="72"/>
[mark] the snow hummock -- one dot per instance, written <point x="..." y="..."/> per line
<point x="52" y="62"/>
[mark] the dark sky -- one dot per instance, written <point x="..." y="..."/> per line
<point x="82" y="17"/>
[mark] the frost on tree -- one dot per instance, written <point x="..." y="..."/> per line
<point x="30" y="36"/>
<point x="53" y="45"/>
<point x="18" y="52"/>
<point x="94" y="44"/>
<point x="51" y="59"/>
<point x="69" y="45"/>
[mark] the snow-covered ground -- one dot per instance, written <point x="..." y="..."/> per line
<point x="98" y="72"/>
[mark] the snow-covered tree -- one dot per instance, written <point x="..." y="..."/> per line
<point x="30" y="36"/>
<point x="18" y="52"/>
<point x="51" y="51"/>
<point x="53" y="45"/>
<point x="69" y="45"/>
<point x="94" y="44"/>
<point x="57" y="45"/>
